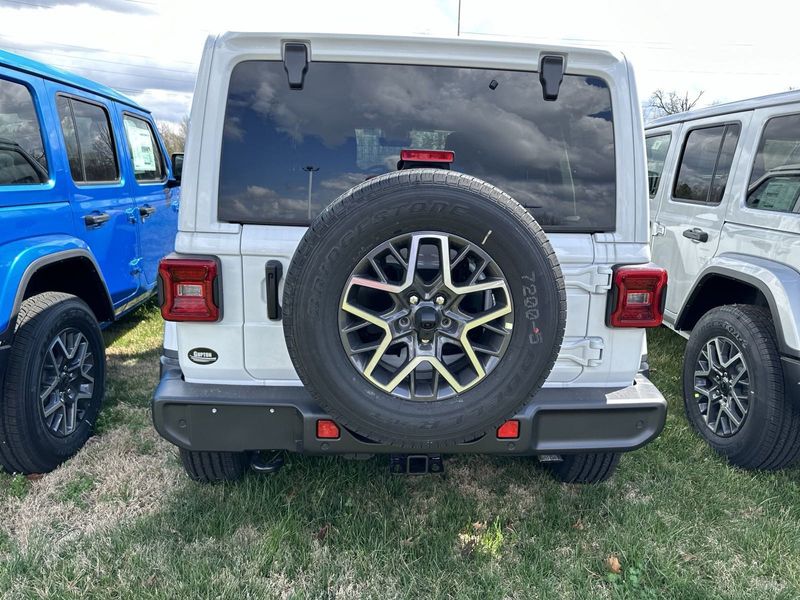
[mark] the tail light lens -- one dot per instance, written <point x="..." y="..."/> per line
<point x="188" y="289"/>
<point x="637" y="296"/>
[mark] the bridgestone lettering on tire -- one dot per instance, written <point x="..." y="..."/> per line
<point x="423" y="308"/>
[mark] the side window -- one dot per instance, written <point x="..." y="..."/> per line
<point x="657" y="147"/>
<point x="706" y="163"/>
<point x="775" y="179"/>
<point x="148" y="163"/>
<point x="90" y="143"/>
<point x="22" y="156"/>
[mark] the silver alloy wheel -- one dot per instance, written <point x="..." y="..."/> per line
<point x="66" y="381"/>
<point x="722" y="386"/>
<point x="426" y="315"/>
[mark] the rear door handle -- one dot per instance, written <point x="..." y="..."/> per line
<point x="95" y="219"/>
<point x="146" y="210"/>
<point x="696" y="234"/>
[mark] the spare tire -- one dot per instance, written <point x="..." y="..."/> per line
<point x="424" y="307"/>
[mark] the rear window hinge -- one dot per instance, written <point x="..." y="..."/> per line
<point x="295" y="62"/>
<point x="551" y="74"/>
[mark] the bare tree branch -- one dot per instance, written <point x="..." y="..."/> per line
<point x="669" y="103"/>
<point x="174" y="136"/>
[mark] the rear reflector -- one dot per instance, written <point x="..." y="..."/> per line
<point x="637" y="296"/>
<point x="188" y="289"/>
<point x="327" y="430"/>
<point x="508" y="430"/>
<point x="436" y="156"/>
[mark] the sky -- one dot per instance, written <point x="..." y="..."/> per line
<point x="150" y="49"/>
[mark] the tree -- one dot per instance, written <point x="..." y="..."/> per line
<point x="174" y="134"/>
<point x="669" y="103"/>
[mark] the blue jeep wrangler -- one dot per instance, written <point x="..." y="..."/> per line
<point x="88" y="206"/>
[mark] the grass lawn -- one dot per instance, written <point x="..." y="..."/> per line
<point x="121" y="520"/>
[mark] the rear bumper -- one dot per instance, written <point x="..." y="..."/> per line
<point x="212" y="417"/>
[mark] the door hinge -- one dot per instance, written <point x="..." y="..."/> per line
<point x="587" y="352"/>
<point x="135" y="265"/>
<point x="657" y="229"/>
<point x="593" y="279"/>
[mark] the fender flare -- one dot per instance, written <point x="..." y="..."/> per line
<point x="778" y="283"/>
<point x="20" y="259"/>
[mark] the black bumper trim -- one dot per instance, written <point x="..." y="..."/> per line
<point x="213" y="417"/>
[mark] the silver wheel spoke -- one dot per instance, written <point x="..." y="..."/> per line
<point x="722" y="384"/>
<point x="66" y="381"/>
<point x="441" y="311"/>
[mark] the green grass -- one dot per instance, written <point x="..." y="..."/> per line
<point x="120" y="520"/>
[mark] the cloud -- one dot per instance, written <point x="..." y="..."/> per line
<point x="121" y="6"/>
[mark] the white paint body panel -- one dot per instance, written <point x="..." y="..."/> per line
<point x="751" y="244"/>
<point x="252" y="349"/>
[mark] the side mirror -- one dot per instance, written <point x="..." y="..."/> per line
<point x="177" y="169"/>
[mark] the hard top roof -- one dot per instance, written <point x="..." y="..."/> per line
<point x="728" y="108"/>
<point x="21" y="63"/>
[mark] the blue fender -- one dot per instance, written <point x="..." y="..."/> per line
<point x="20" y="259"/>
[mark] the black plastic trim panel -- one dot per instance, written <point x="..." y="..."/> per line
<point x="213" y="417"/>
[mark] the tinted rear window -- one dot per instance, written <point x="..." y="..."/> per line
<point x="286" y="154"/>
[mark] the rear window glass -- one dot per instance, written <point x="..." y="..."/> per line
<point x="705" y="164"/>
<point x="657" y="147"/>
<point x="90" y="144"/>
<point x="286" y="154"/>
<point x="22" y="156"/>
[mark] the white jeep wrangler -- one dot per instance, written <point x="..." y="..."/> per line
<point x="409" y="246"/>
<point x="725" y="190"/>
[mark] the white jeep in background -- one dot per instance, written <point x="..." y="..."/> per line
<point x="725" y="200"/>
<point x="409" y="246"/>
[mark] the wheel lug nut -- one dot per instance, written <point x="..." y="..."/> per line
<point x="439" y="300"/>
<point x="404" y="321"/>
<point x="413" y="299"/>
<point x="445" y="322"/>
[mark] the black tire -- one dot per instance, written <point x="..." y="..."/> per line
<point x="769" y="434"/>
<point x="27" y="444"/>
<point x="396" y="204"/>
<point x="214" y="467"/>
<point x="585" y="468"/>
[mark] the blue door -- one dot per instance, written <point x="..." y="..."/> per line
<point x="102" y="206"/>
<point x="156" y="205"/>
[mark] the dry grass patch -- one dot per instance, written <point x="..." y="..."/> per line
<point x="114" y="479"/>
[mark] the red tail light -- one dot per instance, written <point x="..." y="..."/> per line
<point x="435" y="156"/>
<point x="188" y="289"/>
<point x="508" y="430"/>
<point x="637" y="296"/>
<point x="327" y="430"/>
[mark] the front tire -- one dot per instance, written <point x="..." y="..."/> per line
<point x="54" y="384"/>
<point x="734" y="392"/>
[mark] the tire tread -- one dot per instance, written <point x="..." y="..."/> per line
<point x="585" y="468"/>
<point x="214" y="467"/>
